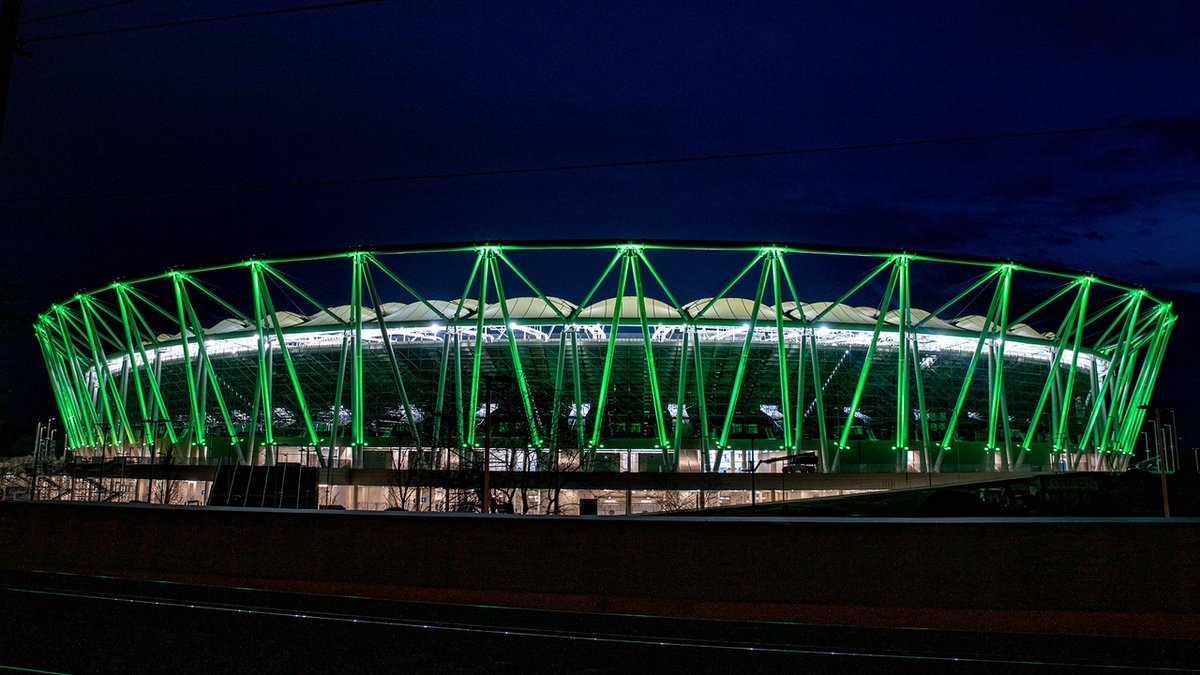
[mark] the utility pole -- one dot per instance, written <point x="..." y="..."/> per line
<point x="487" y="437"/>
<point x="37" y="449"/>
<point x="1160" y="443"/>
<point x="10" y="12"/>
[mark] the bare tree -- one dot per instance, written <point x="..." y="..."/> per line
<point x="710" y="487"/>
<point x="671" y="501"/>
<point x="464" y="484"/>
<point x="407" y="483"/>
<point x="560" y="465"/>
<point x="527" y="468"/>
<point x="168" y="490"/>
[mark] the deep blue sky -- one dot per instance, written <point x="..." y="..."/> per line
<point x="402" y="88"/>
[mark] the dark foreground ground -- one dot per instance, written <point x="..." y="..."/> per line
<point x="82" y="624"/>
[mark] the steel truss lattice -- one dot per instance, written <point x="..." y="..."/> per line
<point x="632" y="364"/>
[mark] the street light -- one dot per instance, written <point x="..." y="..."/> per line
<point x="102" y="428"/>
<point x="1159" y="442"/>
<point x="1169" y="443"/>
<point x="152" y="429"/>
<point x="1174" y="439"/>
<point x="487" y="437"/>
<point x="37" y="451"/>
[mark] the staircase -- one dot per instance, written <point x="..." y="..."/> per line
<point x="281" y="486"/>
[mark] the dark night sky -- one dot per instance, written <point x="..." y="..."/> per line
<point x="401" y="88"/>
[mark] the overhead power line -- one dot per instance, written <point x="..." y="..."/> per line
<point x="335" y="182"/>
<point x="192" y="22"/>
<point x="74" y="12"/>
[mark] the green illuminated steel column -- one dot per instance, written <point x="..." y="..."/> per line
<point x="996" y="384"/>
<point x="458" y="389"/>
<point x="805" y="352"/>
<point x="988" y="320"/>
<point x="701" y="400"/>
<point x="705" y="440"/>
<point x="196" y="431"/>
<point x="609" y="352"/>
<point x="206" y="365"/>
<point x="740" y="375"/>
<point x="560" y="363"/>
<point x="439" y="409"/>
<point x="264" y="372"/>
<point x="335" y="419"/>
<point x="785" y="395"/>
<point x="862" y="375"/>
<point x="357" y="409"/>
<point x="577" y="383"/>
<point x="1065" y="407"/>
<point x="1128" y="349"/>
<point x="478" y="355"/>
<point x="903" y="408"/>
<point x="92" y="319"/>
<point x="673" y="462"/>
<point x="287" y="359"/>
<point x="1151" y="363"/>
<point x="647" y="343"/>
<point x="75" y="362"/>
<point x="126" y="320"/>
<point x="100" y="369"/>
<point x="518" y="372"/>
<point x="1108" y="387"/>
<point x="680" y="403"/>
<point x="466" y="437"/>
<point x="393" y="360"/>
<point x="1064" y="332"/>
<point x="153" y="370"/>
<point x="919" y="379"/>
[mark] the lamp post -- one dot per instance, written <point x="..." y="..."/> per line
<point x="1159" y="443"/>
<point x="753" y="476"/>
<point x="1174" y="440"/>
<point x="37" y="449"/>
<point x="487" y="438"/>
<point x="1169" y="447"/>
<point x="43" y="450"/>
<point x="102" y="428"/>
<point x="152" y="429"/>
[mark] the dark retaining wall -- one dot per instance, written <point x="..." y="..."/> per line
<point x="1083" y="576"/>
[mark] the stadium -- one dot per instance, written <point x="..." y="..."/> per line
<point x="605" y="370"/>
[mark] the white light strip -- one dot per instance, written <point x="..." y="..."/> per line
<point x="831" y="337"/>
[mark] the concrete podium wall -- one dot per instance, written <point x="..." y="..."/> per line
<point x="1081" y="576"/>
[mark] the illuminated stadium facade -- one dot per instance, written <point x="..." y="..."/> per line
<point x="661" y="358"/>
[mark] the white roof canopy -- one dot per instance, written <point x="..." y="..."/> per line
<point x="836" y="313"/>
<point x="655" y="309"/>
<point x="916" y="316"/>
<point x="441" y="310"/>
<point x="529" y="308"/>
<point x="729" y="309"/>
<point x="229" y="326"/>
<point x="343" y="312"/>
